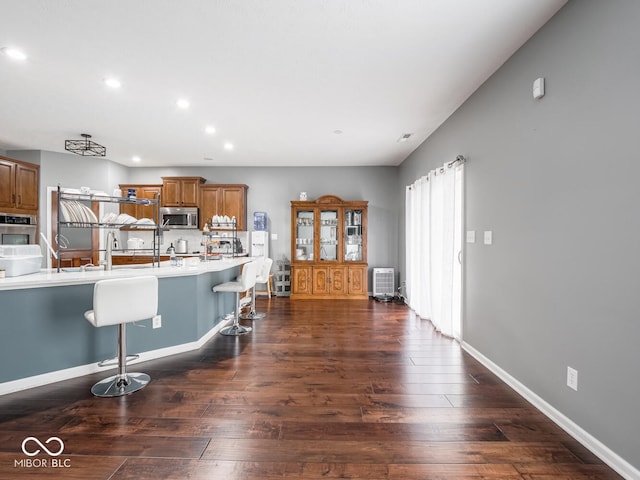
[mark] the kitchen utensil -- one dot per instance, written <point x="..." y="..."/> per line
<point x="182" y="246"/>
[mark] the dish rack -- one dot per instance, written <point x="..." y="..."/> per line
<point x="81" y="209"/>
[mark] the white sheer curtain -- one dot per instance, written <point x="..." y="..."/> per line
<point x="433" y="246"/>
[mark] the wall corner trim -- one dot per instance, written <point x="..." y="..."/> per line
<point x="596" y="447"/>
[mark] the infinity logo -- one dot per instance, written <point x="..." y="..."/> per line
<point x="38" y="442"/>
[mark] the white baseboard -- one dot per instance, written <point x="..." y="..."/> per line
<point x="598" y="448"/>
<point x="74" y="372"/>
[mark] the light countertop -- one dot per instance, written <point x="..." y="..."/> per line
<point x="51" y="278"/>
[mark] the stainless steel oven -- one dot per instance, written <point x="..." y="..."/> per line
<point x="17" y="229"/>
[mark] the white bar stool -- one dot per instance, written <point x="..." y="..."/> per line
<point x="245" y="282"/>
<point x="119" y="301"/>
<point x="262" y="277"/>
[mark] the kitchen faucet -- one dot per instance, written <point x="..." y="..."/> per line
<point x="109" y="253"/>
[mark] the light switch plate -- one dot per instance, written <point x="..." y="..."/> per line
<point x="274" y="236"/>
<point x="538" y="88"/>
<point x="471" y="236"/>
<point x="572" y="378"/>
<point x="488" y="237"/>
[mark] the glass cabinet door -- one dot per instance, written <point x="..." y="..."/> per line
<point x="329" y="235"/>
<point x="304" y="235"/>
<point x="353" y="235"/>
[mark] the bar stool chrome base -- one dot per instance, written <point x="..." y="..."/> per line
<point x="253" y="316"/>
<point x="119" y="385"/>
<point x="235" y="330"/>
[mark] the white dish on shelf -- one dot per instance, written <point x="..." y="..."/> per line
<point x="64" y="213"/>
<point x="109" y="217"/>
<point x="145" y="221"/>
<point x="125" y="219"/>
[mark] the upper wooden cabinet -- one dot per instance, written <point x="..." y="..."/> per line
<point x="150" y="191"/>
<point x="329" y="248"/>
<point x="224" y="199"/>
<point x="18" y="186"/>
<point x="181" y="191"/>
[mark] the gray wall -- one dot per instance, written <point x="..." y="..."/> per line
<point x="556" y="181"/>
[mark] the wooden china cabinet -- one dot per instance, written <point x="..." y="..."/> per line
<point x="329" y="248"/>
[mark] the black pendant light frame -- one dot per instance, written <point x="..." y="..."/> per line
<point x="86" y="147"/>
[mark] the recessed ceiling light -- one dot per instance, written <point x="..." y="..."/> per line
<point x="14" y="53"/>
<point x="209" y="129"/>
<point x="404" y="137"/>
<point x="228" y="146"/>
<point x="208" y="159"/>
<point x="112" y="82"/>
<point x="183" y="103"/>
<point x="136" y="159"/>
<point x="338" y="132"/>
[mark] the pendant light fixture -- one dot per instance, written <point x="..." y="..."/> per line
<point x="86" y="147"/>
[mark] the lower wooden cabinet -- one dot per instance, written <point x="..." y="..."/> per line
<point x="357" y="278"/>
<point x="135" y="259"/>
<point x="329" y="281"/>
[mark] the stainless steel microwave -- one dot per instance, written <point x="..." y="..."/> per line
<point x="179" y="217"/>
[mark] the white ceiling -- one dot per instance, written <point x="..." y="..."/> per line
<point x="276" y="78"/>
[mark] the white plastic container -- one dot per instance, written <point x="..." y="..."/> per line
<point x="20" y="259"/>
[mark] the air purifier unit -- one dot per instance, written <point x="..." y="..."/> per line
<point x="383" y="284"/>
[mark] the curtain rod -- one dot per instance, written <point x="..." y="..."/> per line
<point x="459" y="158"/>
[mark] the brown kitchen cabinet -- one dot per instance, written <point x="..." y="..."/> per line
<point x="18" y="186"/>
<point x="137" y="210"/>
<point x="224" y="199"/>
<point x="181" y="191"/>
<point x="329" y="248"/>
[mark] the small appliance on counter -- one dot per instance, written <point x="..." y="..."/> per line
<point x="135" y="244"/>
<point x="19" y="260"/>
<point x="182" y="246"/>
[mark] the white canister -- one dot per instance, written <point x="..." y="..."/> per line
<point x="135" y="243"/>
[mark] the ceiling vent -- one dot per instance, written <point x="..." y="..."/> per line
<point x="404" y="137"/>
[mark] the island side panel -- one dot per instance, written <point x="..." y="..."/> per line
<point x="43" y="330"/>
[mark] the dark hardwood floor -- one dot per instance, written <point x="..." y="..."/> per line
<point x="319" y="389"/>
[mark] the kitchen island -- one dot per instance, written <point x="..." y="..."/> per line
<point x="45" y="338"/>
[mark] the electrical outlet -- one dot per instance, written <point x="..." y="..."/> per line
<point x="157" y="321"/>
<point x="572" y="378"/>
